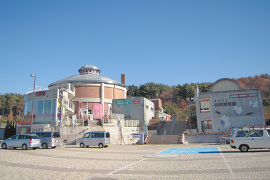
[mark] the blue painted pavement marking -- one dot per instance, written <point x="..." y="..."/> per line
<point x="204" y="150"/>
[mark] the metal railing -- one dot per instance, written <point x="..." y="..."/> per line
<point x="64" y="86"/>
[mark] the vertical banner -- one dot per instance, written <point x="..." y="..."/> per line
<point x="98" y="111"/>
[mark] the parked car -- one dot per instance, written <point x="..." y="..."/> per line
<point x="245" y="139"/>
<point x="95" y="138"/>
<point x="23" y="141"/>
<point x="49" y="139"/>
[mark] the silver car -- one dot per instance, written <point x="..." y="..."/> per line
<point x="49" y="139"/>
<point x="23" y="141"/>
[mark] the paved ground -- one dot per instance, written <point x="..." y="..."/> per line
<point x="192" y="161"/>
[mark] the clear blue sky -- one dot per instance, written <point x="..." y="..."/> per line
<point x="168" y="42"/>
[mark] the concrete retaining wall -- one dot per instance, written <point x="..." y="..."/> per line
<point x="203" y="138"/>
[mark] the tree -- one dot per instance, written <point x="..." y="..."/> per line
<point x="133" y="91"/>
<point x="10" y="130"/>
<point x="2" y="104"/>
<point x="171" y="109"/>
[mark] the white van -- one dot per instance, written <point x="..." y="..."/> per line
<point x="95" y="138"/>
<point x="245" y="139"/>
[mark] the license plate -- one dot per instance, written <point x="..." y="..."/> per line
<point x="56" y="140"/>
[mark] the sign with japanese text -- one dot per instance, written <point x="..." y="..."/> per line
<point x="127" y="101"/>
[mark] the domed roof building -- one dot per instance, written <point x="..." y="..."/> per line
<point x="94" y="92"/>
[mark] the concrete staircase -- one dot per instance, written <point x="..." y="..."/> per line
<point x="169" y="133"/>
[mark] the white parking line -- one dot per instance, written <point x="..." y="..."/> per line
<point x="111" y="173"/>
<point x="227" y="164"/>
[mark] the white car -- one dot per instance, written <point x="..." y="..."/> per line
<point x="245" y="139"/>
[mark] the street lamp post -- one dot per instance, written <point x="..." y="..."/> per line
<point x="188" y="100"/>
<point x="32" y="118"/>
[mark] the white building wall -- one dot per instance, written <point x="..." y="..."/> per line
<point x="134" y="111"/>
<point x="231" y="109"/>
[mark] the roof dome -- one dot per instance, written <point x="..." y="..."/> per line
<point x="89" y="69"/>
<point x="88" y="74"/>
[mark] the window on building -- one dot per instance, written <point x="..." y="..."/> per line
<point x="207" y="126"/>
<point x="205" y="106"/>
<point x="53" y="109"/>
<point x="39" y="110"/>
<point x="47" y="110"/>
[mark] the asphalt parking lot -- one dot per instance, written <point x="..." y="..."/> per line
<point x="192" y="161"/>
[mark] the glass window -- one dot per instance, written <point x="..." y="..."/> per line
<point x="206" y="125"/>
<point x="39" y="110"/>
<point x="53" y="109"/>
<point x="242" y="134"/>
<point x="13" y="137"/>
<point x="256" y="133"/>
<point x="56" y="134"/>
<point x="47" y="106"/>
<point x="107" y="135"/>
<point x="100" y="135"/>
<point x="47" y="110"/>
<point x="25" y="109"/>
<point x="21" y="137"/>
<point x="205" y="106"/>
<point x="93" y="135"/>
<point x="86" y="135"/>
<point x="29" y="109"/>
<point x="33" y="137"/>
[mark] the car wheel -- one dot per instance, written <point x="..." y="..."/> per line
<point x="100" y="145"/>
<point x="244" y="148"/>
<point x="4" y="146"/>
<point x="24" y="147"/>
<point x="44" y="145"/>
<point x="53" y="147"/>
<point x="34" y="148"/>
<point x="81" y="145"/>
<point x="14" y="148"/>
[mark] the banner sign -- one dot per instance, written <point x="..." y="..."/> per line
<point x="127" y="101"/>
<point x="98" y="111"/>
<point x="24" y="122"/>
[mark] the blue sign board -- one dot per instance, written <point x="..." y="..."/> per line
<point x="127" y="101"/>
